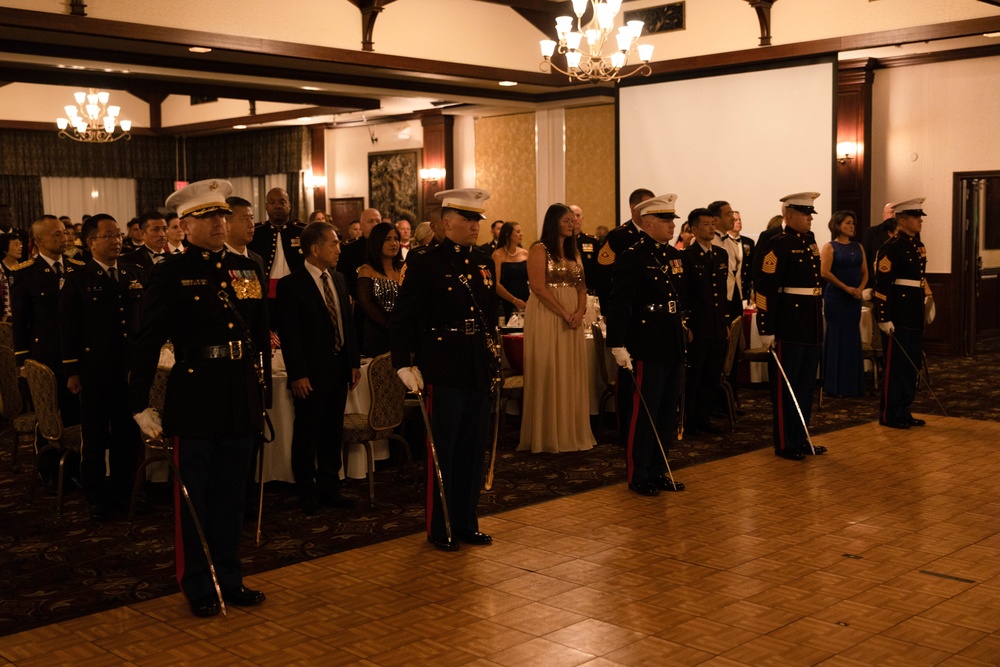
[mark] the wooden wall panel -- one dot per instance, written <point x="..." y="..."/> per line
<point x="505" y="167"/>
<point x="590" y="160"/>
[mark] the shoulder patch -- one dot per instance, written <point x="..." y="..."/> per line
<point x="770" y="264"/>
<point x="884" y="264"/>
<point x="75" y="261"/>
<point x="607" y="256"/>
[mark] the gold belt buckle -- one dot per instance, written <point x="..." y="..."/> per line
<point x="817" y="291"/>
<point x="235" y="349"/>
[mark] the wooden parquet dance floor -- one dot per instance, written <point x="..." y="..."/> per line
<point x="885" y="551"/>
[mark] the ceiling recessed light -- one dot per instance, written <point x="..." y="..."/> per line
<point x="239" y="127"/>
<point x="199" y="49"/>
<point x="309" y="88"/>
<point x="508" y="83"/>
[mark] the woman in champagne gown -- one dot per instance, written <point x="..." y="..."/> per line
<point x="556" y="377"/>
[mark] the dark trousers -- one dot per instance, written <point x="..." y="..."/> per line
<point x="705" y="361"/>
<point x="318" y="438"/>
<point x="460" y="420"/>
<point x="215" y="471"/>
<point x="107" y="426"/>
<point x="899" y="382"/>
<point x="660" y="386"/>
<point x="801" y="362"/>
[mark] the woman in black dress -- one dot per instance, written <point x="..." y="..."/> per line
<point x="378" y="286"/>
<point x="511" y="262"/>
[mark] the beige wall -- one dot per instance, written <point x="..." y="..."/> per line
<point x="505" y="167"/>
<point x="590" y="164"/>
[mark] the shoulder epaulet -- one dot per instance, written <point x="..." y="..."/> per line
<point x="258" y="225"/>
<point x="75" y="261"/>
<point x="298" y="223"/>
<point x="23" y="265"/>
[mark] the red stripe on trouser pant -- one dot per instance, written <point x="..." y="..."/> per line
<point x="178" y="508"/>
<point x="885" y="378"/>
<point x="429" y="500"/>
<point x="634" y="418"/>
<point x="782" y="385"/>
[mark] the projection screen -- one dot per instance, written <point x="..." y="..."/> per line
<point x="748" y="138"/>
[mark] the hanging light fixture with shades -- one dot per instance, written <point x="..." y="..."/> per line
<point x="584" y="47"/>
<point x="93" y="120"/>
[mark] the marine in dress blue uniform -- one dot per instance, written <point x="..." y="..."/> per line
<point x="646" y="333"/>
<point x="706" y="266"/>
<point x="210" y="304"/>
<point x="790" y="314"/>
<point x="440" y="333"/>
<point x="898" y="297"/>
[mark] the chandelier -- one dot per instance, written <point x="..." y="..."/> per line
<point x="92" y="120"/>
<point x="587" y="62"/>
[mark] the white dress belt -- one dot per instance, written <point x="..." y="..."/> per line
<point x="908" y="283"/>
<point x="802" y="291"/>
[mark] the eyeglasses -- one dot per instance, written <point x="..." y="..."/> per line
<point x="117" y="235"/>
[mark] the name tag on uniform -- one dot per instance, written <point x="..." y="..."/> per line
<point x="245" y="284"/>
<point x="134" y="284"/>
<point x="296" y="242"/>
<point x="195" y="282"/>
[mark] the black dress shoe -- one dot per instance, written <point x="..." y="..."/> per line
<point x="664" y="484"/>
<point x="336" y="500"/>
<point x="444" y="544"/>
<point x="99" y="512"/>
<point x="790" y="454"/>
<point x="740" y="412"/>
<point x="816" y="449"/>
<point x="309" y="506"/>
<point x="709" y="427"/>
<point x="205" y="607"/>
<point x="243" y="597"/>
<point x="916" y="422"/>
<point x="646" y="488"/>
<point x="474" y="537"/>
<point x="899" y="424"/>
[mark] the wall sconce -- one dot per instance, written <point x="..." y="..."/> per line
<point x="846" y="150"/>
<point x="432" y="174"/>
<point x="311" y="182"/>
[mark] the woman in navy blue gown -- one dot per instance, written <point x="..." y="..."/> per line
<point x="843" y="266"/>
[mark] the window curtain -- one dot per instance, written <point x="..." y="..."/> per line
<point x="294" y="188"/>
<point x="250" y="153"/>
<point x="33" y="153"/>
<point x="151" y="194"/>
<point x="248" y="187"/>
<point x="76" y="197"/>
<point x="24" y="196"/>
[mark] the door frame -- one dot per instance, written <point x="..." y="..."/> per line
<point x="963" y="255"/>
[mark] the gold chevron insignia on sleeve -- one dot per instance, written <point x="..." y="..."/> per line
<point x="884" y="265"/>
<point x="770" y="264"/>
<point x="879" y="296"/>
<point x="761" y="302"/>
<point x="607" y="256"/>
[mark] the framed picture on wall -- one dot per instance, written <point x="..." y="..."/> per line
<point x="394" y="183"/>
<point x="344" y="211"/>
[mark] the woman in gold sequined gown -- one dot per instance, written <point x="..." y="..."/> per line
<point x="556" y="383"/>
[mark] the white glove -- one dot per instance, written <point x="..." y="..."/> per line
<point x="412" y="378"/>
<point x="886" y="327"/>
<point x="767" y="341"/>
<point x="149" y="422"/>
<point x="866" y="293"/>
<point x="622" y="357"/>
<point x="930" y="310"/>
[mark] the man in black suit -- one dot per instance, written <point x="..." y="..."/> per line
<point x="35" y="307"/>
<point x="98" y="320"/>
<point x="210" y="304"/>
<point x="154" y="241"/>
<point x="494" y="241"/>
<point x="353" y="255"/>
<point x="322" y="361"/>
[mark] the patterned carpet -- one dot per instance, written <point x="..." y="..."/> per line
<point x="55" y="570"/>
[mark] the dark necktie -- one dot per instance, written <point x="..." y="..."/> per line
<point x="58" y="269"/>
<point x="113" y="274"/>
<point x="177" y="251"/>
<point x="158" y="257"/>
<point x="331" y="306"/>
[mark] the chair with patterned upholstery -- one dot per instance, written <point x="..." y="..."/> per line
<point x="387" y="393"/>
<point x="733" y="344"/>
<point x="42" y="385"/>
<point x="157" y="449"/>
<point x="610" y="384"/>
<point x="7" y="335"/>
<point x="13" y="424"/>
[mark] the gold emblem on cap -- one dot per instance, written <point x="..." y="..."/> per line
<point x="214" y="186"/>
<point x="479" y="195"/>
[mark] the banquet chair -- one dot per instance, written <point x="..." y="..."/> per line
<point x="42" y="385"/>
<point x="157" y="449"/>
<point x="387" y="393"/>
<point x="7" y="335"/>
<point x="872" y="351"/>
<point x="735" y="339"/>
<point x="12" y="423"/>
<point x="610" y="384"/>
